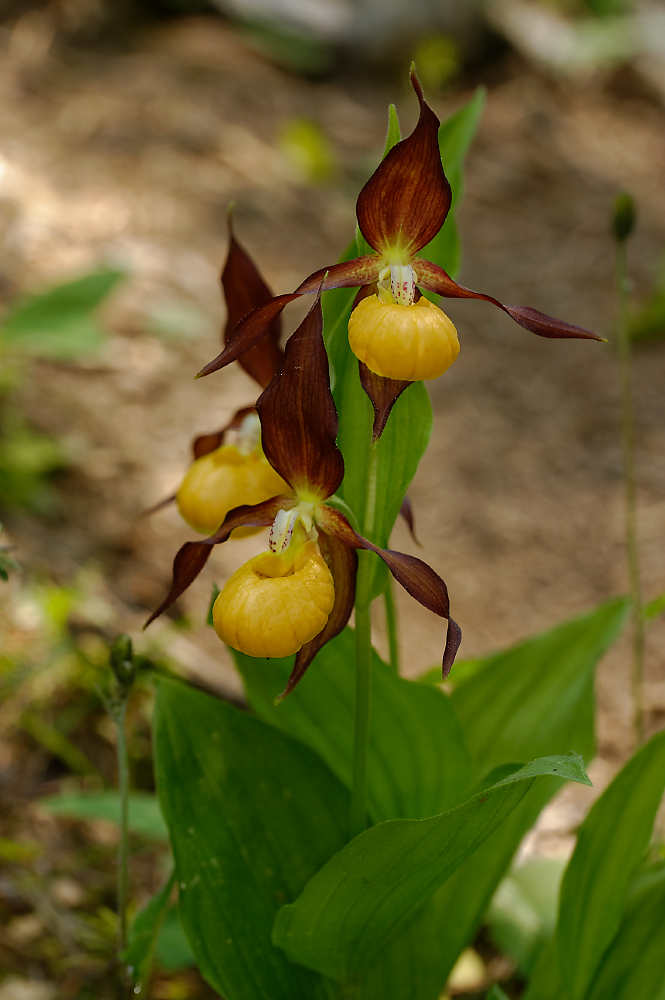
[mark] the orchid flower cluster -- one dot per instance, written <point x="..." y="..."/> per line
<point x="283" y="468"/>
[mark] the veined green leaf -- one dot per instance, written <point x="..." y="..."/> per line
<point x="145" y="817"/>
<point x="522" y="702"/>
<point x="252" y="815"/>
<point x="633" y="966"/>
<point x="351" y="910"/>
<point x="143" y="935"/>
<point x="59" y="322"/>
<point x="610" y="845"/>
<point x="418" y="764"/>
<point x="494" y="694"/>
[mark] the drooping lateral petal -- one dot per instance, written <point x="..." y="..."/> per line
<point x="251" y="329"/>
<point x="245" y="290"/>
<point x="298" y="415"/>
<point x="434" y="278"/>
<point x="205" y="443"/>
<point x="158" y="506"/>
<point x="417" y="578"/>
<point x="249" y="332"/>
<point x="343" y="563"/>
<point x="192" y="556"/>
<point x="347" y="274"/>
<point x="383" y="394"/>
<point x="407" y="198"/>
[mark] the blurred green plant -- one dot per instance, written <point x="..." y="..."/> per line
<point x="306" y="148"/>
<point x="59" y="324"/>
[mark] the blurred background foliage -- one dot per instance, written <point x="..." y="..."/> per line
<point x="127" y="126"/>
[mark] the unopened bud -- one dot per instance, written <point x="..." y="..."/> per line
<point x="623" y="220"/>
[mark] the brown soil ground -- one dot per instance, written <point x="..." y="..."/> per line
<point x="132" y="156"/>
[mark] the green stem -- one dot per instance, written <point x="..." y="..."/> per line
<point x="123" y="845"/>
<point x="358" y="808"/>
<point x="391" y="625"/>
<point x="628" y="450"/>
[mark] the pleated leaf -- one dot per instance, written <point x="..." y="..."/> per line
<point x="610" y="846"/>
<point x="365" y="895"/>
<point x="251" y="815"/>
<point x="418" y="762"/>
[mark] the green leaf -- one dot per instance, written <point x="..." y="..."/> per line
<point x="496" y="993"/>
<point x="143" y="934"/>
<point x="58" y="323"/>
<point x="610" y="845"/>
<point x="172" y="950"/>
<point x="393" y="132"/>
<point x="252" y="815"/>
<point x="145" y="817"/>
<point x="523" y="913"/>
<point x="523" y="702"/>
<point x="351" y="910"/>
<point x="418" y="763"/>
<point x="632" y="968"/>
<point x="654" y="608"/>
<point x="494" y="694"/>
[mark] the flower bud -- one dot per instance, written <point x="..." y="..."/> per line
<point x="405" y="342"/>
<point x="221" y="480"/>
<point x="274" y="604"/>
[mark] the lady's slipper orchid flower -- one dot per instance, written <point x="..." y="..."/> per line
<point x="400" y="209"/>
<point x="300" y="594"/>
<point x="226" y="472"/>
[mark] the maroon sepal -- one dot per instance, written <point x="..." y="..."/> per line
<point x="434" y="278"/>
<point x="245" y="290"/>
<point x="298" y="415"/>
<point x="205" y="443"/>
<point x="192" y="556"/>
<point x="417" y="578"/>
<point x="383" y="394"/>
<point x="406" y="511"/>
<point x="407" y="198"/>
<point x="343" y="563"/>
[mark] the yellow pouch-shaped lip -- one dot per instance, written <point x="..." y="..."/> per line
<point x="221" y="480"/>
<point x="403" y="342"/>
<point x="274" y="604"/>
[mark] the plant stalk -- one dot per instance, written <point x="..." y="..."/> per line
<point x="391" y="625"/>
<point x="119" y="716"/>
<point x="358" y="807"/>
<point x="628" y="455"/>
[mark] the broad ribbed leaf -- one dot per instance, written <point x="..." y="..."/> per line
<point x="634" y="966"/>
<point x="556" y="713"/>
<point x="418" y="763"/>
<point x="59" y="323"/>
<point x="252" y="815"/>
<point x="527" y="699"/>
<point x="145" y="817"/>
<point x="610" y="846"/>
<point x="356" y="905"/>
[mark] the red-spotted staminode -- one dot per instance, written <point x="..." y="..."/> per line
<point x="299" y="595"/>
<point x="397" y="334"/>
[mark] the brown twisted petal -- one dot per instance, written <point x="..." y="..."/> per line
<point x="244" y="290"/>
<point x="406" y="511"/>
<point x="417" y="578"/>
<point x="434" y="278"/>
<point x="342" y="562"/>
<point x="383" y="394"/>
<point x="192" y="556"/>
<point x="407" y="198"/>
<point x="250" y="330"/>
<point x="298" y="415"/>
